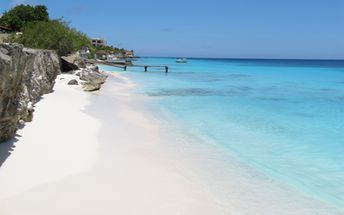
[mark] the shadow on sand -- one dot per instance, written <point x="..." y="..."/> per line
<point x="6" y="149"/>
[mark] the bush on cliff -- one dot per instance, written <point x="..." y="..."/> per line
<point x="54" y="35"/>
<point x="21" y="15"/>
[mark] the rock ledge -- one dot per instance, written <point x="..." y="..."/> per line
<point x="25" y="75"/>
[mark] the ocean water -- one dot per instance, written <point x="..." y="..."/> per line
<point x="285" y="118"/>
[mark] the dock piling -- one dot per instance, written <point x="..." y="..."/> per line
<point x="146" y="67"/>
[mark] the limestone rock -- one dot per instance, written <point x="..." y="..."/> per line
<point x="67" y="65"/>
<point x="89" y="75"/>
<point x="90" y="86"/>
<point x="73" y="82"/>
<point x="93" y="78"/>
<point x="25" y="75"/>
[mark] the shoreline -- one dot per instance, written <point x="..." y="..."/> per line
<point x="140" y="162"/>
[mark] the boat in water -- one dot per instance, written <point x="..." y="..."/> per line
<point x="181" y="60"/>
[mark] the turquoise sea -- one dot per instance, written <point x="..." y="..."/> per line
<point x="284" y="118"/>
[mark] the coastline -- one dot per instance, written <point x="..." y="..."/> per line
<point x="137" y="161"/>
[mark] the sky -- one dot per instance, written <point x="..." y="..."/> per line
<point x="293" y="29"/>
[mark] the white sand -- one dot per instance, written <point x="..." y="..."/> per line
<point x="48" y="149"/>
<point x="103" y="153"/>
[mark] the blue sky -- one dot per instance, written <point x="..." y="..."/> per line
<point x="209" y="28"/>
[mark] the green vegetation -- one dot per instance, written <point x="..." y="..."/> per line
<point x="38" y="31"/>
<point x="108" y="49"/>
<point x="53" y="35"/>
<point x="21" y="15"/>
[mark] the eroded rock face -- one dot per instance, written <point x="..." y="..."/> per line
<point x="25" y="75"/>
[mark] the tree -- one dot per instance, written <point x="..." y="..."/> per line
<point x="41" y="13"/>
<point x="21" y="15"/>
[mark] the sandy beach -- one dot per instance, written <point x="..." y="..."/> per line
<point x="44" y="146"/>
<point x="104" y="153"/>
<point x="71" y="160"/>
<point x="171" y="107"/>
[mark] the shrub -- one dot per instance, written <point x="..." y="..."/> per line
<point x="54" y="35"/>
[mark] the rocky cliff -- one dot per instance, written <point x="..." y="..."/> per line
<point x="25" y="75"/>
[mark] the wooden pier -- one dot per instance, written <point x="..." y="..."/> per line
<point x="125" y="66"/>
<point x="147" y="66"/>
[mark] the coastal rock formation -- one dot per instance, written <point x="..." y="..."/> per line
<point x="25" y="75"/>
<point x="93" y="78"/>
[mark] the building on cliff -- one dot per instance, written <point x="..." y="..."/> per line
<point x="98" y="42"/>
<point x="129" y="54"/>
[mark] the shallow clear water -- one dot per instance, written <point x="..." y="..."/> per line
<point x="284" y="118"/>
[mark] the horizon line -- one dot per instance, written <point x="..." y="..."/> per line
<point x="248" y="58"/>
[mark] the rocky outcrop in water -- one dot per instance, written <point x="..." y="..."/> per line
<point x="25" y="75"/>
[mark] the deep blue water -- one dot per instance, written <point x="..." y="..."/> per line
<point x="285" y="118"/>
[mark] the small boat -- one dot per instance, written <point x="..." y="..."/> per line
<point x="181" y="60"/>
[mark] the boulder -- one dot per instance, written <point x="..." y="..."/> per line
<point x="25" y="75"/>
<point x="73" y="82"/>
<point x="90" y="86"/>
<point x="92" y="77"/>
<point x="67" y="65"/>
